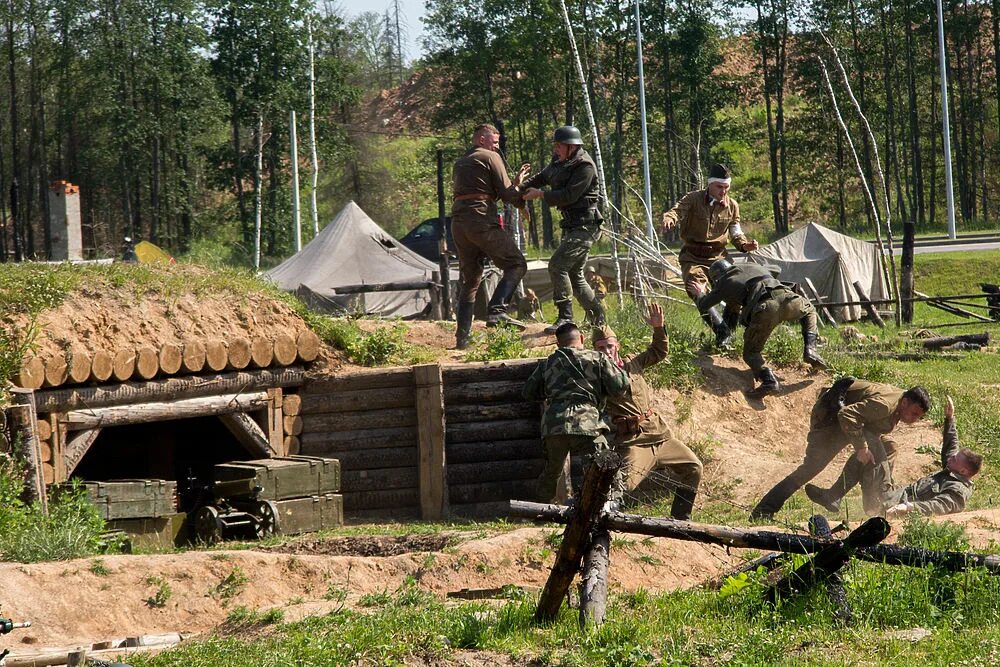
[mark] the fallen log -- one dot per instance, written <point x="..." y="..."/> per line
<point x="78" y="420"/>
<point x="596" y="484"/>
<point x="889" y="554"/>
<point x="938" y="342"/>
<point x="867" y="304"/>
<point x="594" y="580"/>
<point x="820" y="527"/>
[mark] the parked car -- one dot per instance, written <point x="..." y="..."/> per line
<point x="423" y="239"/>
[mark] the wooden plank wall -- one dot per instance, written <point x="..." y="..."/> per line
<point x="492" y="435"/>
<point x="368" y="420"/>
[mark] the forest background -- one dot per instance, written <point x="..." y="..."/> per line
<point x="153" y="107"/>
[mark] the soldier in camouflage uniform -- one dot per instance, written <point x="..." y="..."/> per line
<point x="944" y="492"/>
<point x="707" y="219"/>
<point x="861" y="414"/>
<point x="642" y="435"/>
<point x="573" y="189"/>
<point x="762" y="303"/>
<point x="574" y="383"/>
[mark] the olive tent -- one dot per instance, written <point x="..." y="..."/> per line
<point x="353" y="250"/>
<point x="832" y="261"/>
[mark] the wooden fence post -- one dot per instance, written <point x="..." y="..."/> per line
<point x="24" y="417"/>
<point x="430" y="442"/>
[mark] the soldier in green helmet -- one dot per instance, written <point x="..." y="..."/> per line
<point x="575" y="383"/>
<point x="573" y="189"/>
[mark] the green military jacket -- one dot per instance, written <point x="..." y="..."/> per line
<point x="868" y="411"/>
<point x="574" y="189"/>
<point x="575" y="384"/>
<point x="742" y="286"/>
<point x="637" y="399"/>
<point x="480" y="171"/>
<point x="706" y="227"/>
<point x="944" y="492"/>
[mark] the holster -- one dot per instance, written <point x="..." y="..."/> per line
<point x="630" y="425"/>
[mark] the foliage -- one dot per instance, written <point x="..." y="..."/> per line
<point x="501" y="342"/>
<point x="161" y="595"/>
<point x="231" y="585"/>
<point x="686" y="333"/>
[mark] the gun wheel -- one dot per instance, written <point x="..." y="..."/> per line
<point x="267" y="519"/>
<point x="208" y="525"/>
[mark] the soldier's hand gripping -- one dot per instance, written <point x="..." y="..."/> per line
<point x="668" y="222"/>
<point x="522" y="173"/>
<point x="533" y="193"/>
<point x="949" y="408"/>
<point x="654" y="316"/>
<point x="750" y="245"/>
<point x="865" y="456"/>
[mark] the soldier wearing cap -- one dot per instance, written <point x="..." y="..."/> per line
<point x="596" y="282"/>
<point x="574" y="382"/>
<point x="641" y="434"/>
<point x="762" y="303"/>
<point x="573" y="189"/>
<point x="478" y="180"/>
<point x="708" y="219"/>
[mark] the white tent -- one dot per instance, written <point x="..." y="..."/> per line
<point x="832" y="261"/>
<point x="354" y="250"/>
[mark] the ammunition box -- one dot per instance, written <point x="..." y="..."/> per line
<point x="160" y="533"/>
<point x="133" y="498"/>
<point x="280" y="478"/>
<point x="305" y="515"/>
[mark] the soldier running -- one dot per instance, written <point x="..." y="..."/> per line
<point x="858" y="413"/>
<point x="761" y="303"/>
<point x="573" y="189"/>
<point x="478" y="180"/>
<point x="641" y="434"/>
<point x="944" y="492"/>
<point x="707" y="220"/>
<point x="575" y="383"/>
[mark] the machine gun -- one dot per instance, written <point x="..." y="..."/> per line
<point x="7" y="625"/>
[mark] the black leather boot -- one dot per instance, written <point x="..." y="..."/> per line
<point x="565" y="309"/>
<point x="809" y="353"/>
<point x="463" y="334"/>
<point x="683" y="503"/>
<point x="774" y="500"/>
<point x="499" y="302"/>
<point x="723" y="334"/>
<point x="826" y="498"/>
<point x="768" y="384"/>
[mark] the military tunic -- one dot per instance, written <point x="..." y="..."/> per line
<point x="864" y="422"/>
<point x="574" y="383"/>
<point x="705" y="228"/>
<point x="478" y="180"/>
<point x="653" y="446"/>
<point x="597" y="284"/>
<point x="944" y="492"/>
<point x="763" y="302"/>
<point x="574" y="191"/>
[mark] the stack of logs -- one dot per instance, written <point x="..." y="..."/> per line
<point x="77" y="364"/>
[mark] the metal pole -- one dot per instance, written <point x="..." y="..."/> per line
<point x="257" y="183"/>
<point x="296" y="216"/>
<point x="945" y="125"/>
<point x="647" y="190"/>
<point x="443" y="241"/>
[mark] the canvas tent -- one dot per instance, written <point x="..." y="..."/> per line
<point x="832" y="261"/>
<point x="354" y="250"/>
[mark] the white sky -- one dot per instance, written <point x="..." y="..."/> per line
<point x="412" y="11"/>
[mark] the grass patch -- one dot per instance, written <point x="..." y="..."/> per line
<point x="501" y="342"/>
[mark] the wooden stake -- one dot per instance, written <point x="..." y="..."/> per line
<point x="869" y="307"/>
<point x="431" y="442"/>
<point x="25" y="420"/>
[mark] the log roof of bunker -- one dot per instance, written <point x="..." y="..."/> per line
<point x="46" y="309"/>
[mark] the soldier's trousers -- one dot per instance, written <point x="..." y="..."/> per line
<point x="567" y="263"/>
<point x="876" y="477"/>
<point x="822" y="447"/>
<point x="475" y="240"/>
<point x="673" y="456"/>
<point x="557" y="448"/>
<point x="783" y="305"/>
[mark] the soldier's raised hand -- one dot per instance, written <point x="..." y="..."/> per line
<point x="668" y="222"/>
<point x="522" y="173"/>
<point x="654" y="315"/>
<point x="949" y="408"/>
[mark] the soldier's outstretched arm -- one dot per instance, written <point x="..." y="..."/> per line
<point x="658" y="349"/>
<point x="949" y="445"/>
<point x="583" y="177"/>
<point x="676" y="214"/>
<point x="534" y="387"/>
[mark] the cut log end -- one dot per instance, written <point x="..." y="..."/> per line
<point x="285" y="350"/>
<point x="32" y="374"/>
<point x="44" y="429"/>
<point x="293" y="425"/>
<point x="291" y="405"/>
<point x="147" y="363"/>
<point x="123" y="366"/>
<point x="194" y="356"/>
<point x="239" y="354"/>
<point x="292" y="445"/>
<point x="56" y="370"/>
<point x="48" y="473"/>
<point x="261" y="352"/>
<point x="308" y="344"/>
<point x="102" y="365"/>
<point x="169" y="358"/>
<point x="216" y="355"/>
<point x="78" y="365"/>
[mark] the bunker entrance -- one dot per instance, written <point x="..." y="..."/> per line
<point x="176" y="450"/>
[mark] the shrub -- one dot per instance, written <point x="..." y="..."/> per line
<point x="498" y="343"/>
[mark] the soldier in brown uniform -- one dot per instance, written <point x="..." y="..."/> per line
<point x="642" y="434"/>
<point x="858" y="413"/>
<point x="707" y="220"/>
<point x="478" y="180"/>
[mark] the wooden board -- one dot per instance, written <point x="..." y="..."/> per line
<point x="495" y="471"/>
<point x="476" y="393"/>
<point x="395" y="499"/>
<point x="465" y="414"/>
<point x="495" y="450"/>
<point x="352" y="421"/>
<point x="512" y="369"/>
<point x="365" y="379"/>
<point x="524" y="489"/>
<point x="336" y="441"/>
<point x="358" y="399"/>
<point x="431" y="449"/>
<point x="484" y="431"/>
<point x="374" y="480"/>
<point x="373" y="459"/>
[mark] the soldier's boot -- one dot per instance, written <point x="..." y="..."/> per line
<point x="768" y="384"/>
<point x="463" y="334"/>
<point x="723" y="334"/>
<point x="683" y="503"/>
<point x="826" y="498"/>
<point x="809" y="353"/>
<point x="499" y="302"/>
<point x="565" y="310"/>
<point x="774" y="500"/>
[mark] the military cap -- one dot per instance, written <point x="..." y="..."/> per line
<point x="600" y="333"/>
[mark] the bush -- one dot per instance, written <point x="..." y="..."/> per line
<point x="385" y="345"/>
<point x="498" y="343"/>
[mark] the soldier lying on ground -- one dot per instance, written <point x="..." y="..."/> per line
<point x="946" y="491"/>
<point x="762" y="303"/>
<point x="858" y="413"/>
<point x="641" y="435"/>
<point x="575" y="383"/>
